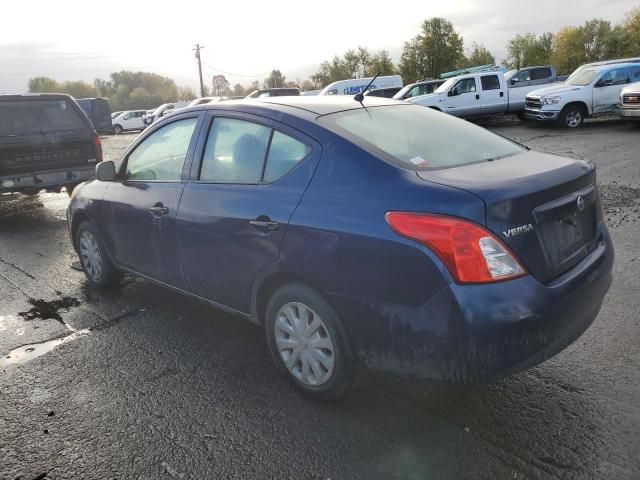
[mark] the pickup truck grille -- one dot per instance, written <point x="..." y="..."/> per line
<point x="533" y="103"/>
<point x="631" y="99"/>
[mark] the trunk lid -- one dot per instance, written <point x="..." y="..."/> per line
<point x="39" y="135"/>
<point x="544" y="207"/>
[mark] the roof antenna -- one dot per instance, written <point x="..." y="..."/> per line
<point x="359" y="97"/>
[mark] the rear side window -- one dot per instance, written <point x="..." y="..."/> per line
<point x="490" y="82"/>
<point x="284" y="154"/>
<point x="398" y="135"/>
<point x="38" y="116"/>
<point x="540" y="73"/>
<point x="161" y="156"/>
<point x="235" y="151"/>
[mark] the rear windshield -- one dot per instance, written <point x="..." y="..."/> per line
<point x="38" y="116"/>
<point x="419" y="138"/>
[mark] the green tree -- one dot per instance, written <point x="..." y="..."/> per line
<point x="79" y="89"/>
<point x="238" y="90"/>
<point x="186" y="93"/>
<point x="631" y="28"/>
<point x="380" y="62"/>
<point x="308" y="84"/>
<point x="479" y="55"/>
<point x="275" y="80"/>
<point x="220" y="86"/>
<point x="436" y="49"/>
<point x="43" y="85"/>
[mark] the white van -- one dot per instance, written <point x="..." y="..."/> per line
<point x="356" y="85"/>
<point x="128" y="120"/>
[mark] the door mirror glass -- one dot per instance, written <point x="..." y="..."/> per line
<point x="106" y="171"/>
<point x="453" y="92"/>
<point x="514" y="81"/>
<point x="161" y="155"/>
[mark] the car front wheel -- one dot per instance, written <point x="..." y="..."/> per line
<point x="572" y="116"/>
<point x="309" y="343"/>
<point x="117" y="129"/>
<point x="93" y="257"/>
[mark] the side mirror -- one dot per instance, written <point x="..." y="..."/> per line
<point x="453" y="92"/>
<point x="106" y="171"/>
<point x="514" y="81"/>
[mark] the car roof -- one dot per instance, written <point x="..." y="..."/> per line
<point x="613" y="66"/>
<point x="318" y="105"/>
<point x="41" y="96"/>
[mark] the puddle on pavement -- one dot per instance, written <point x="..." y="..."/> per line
<point x="44" y="310"/>
<point x="29" y="352"/>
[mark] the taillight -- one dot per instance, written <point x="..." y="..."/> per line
<point x="470" y="253"/>
<point x="98" y="148"/>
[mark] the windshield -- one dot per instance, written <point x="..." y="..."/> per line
<point x="446" y="85"/>
<point x="417" y="137"/>
<point x="510" y="74"/>
<point x="582" y="78"/>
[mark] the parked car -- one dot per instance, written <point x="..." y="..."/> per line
<point x="201" y="100"/>
<point x="162" y="110"/>
<point x="310" y="92"/>
<point x="528" y="76"/>
<point x="593" y="91"/>
<point x="47" y="142"/>
<point x="274" y="92"/>
<point x="383" y="92"/>
<point x="129" y="120"/>
<point x="604" y="62"/>
<point x="480" y="93"/>
<point x="115" y="114"/>
<point x="424" y="87"/>
<point x="453" y="254"/>
<point x="99" y="112"/>
<point x="353" y="86"/>
<point x="629" y="104"/>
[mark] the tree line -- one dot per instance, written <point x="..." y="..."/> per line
<point x="436" y="49"/>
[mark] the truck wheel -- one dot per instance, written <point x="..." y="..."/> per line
<point x="117" y="129"/>
<point x="309" y="343"/>
<point x="94" y="259"/>
<point x="572" y="116"/>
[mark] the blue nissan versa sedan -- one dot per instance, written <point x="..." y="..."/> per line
<point x="379" y="235"/>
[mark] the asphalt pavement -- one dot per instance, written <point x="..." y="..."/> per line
<point x="138" y="382"/>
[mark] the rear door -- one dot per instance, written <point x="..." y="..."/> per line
<point x="492" y="97"/>
<point x="39" y="135"/>
<point x="235" y="211"/>
<point x="141" y="207"/>
<point x="606" y="91"/>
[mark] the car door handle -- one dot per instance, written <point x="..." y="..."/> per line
<point x="159" y="210"/>
<point x="265" y="225"/>
<point x="477" y="96"/>
<point x="502" y="94"/>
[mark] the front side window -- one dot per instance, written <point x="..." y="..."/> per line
<point x="397" y="134"/>
<point x="619" y="76"/>
<point x="161" y="156"/>
<point x="524" y="76"/>
<point x="466" y="85"/>
<point x="235" y="151"/>
<point x="490" y="82"/>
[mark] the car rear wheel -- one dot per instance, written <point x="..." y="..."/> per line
<point x="117" y="129"/>
<point x="94" y="259"/>
<point x="309" y="343"/>
<point x="572" y="116"/>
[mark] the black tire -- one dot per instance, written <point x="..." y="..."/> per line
<point x="572" y="116"/>
<point x="117" y="129"/>
<point x="109" y="275"/>
<point x="343" y="376"/>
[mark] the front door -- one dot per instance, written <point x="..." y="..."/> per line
<point x="234" y="213"/>
<point x="463" y="99"/>
<point x="142" y="205"/>
<point x="606" y="91"/>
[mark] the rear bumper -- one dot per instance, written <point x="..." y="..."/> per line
<point x="541" y="115"/>
<point x="629" y="112"/>
<point x="471" y="333"/>
<point x="46" y="180"/>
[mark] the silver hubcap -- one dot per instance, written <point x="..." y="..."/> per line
<point x="304" y="343"/>
<point x="90" y="255"/>
<point x="573" y="119"/>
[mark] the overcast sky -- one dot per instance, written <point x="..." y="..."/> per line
<point x="70" y="39"/>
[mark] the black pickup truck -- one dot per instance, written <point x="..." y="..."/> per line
<point x="46" y="143"/>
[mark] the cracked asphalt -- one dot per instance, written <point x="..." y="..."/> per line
<point x="139" y="382"/>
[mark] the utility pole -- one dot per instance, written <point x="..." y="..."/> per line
<point x="197" y="50"/>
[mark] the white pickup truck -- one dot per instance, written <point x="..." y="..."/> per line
<point x="590" y="91"/>
<point x="487" y="92"/>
